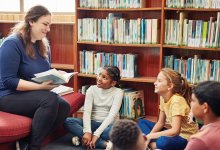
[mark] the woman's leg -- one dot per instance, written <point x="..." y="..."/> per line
<point x="145" y="126"/>
<point x="62" y="114"/>
<point x="42" y="106"/>
<point x="171" y="143"/>
<point x="74" y="126"/>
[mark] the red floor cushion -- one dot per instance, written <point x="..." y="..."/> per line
<point x="13" y="127"/>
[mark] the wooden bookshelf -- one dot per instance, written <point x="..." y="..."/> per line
<point x="149" y="55"/>
<point x="151" y="58"/>
<point x="185" y="51"/>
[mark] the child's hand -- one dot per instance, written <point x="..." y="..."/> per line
<point x="93" y="142"/>
<point x="147" y="140"/>
<point x="86" y="139"/>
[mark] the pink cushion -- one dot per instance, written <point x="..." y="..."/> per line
<point x="14" y="127"/>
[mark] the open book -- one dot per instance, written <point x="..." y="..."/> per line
<point x="54" y="75"/>
<point x="62" y="90"/>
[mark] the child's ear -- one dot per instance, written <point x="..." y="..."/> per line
<point x="170" y="86"/>
<point x="113" y="83"/>
<point x="205" y="107"/>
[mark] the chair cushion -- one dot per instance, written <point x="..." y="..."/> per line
<point x="13" y="127"/>
<point x="76" y="100"/>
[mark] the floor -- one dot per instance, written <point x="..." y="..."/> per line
<point x="63" y="143"/>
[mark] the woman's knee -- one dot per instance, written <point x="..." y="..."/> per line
<point x="63" y="105"/>
<point x="49" y="99"/>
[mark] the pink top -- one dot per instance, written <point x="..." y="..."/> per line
<point x="206" y="139"/>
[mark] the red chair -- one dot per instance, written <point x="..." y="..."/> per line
<point x="14" y="127"/>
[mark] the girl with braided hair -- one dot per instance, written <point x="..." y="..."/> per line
<point x="101" y="109"/>
<point x="175" y="95"/>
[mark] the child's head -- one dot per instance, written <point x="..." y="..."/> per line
<point x="170" y="80"/>
<point x="109" y="76"/>
<point x="206" y="99"/>
<point x="125" y="134"/>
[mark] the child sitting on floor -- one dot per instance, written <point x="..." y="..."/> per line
<point x="205" y="106"/>
<point x="175" y="94"/>
<point x="101" y="109"/>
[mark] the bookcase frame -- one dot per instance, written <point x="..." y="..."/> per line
<point x="151" y="56"/>
<point x="149" y="60"/>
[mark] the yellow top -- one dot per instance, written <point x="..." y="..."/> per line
<point x="177" y="106"/>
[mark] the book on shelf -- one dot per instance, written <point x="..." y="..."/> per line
<point x="56" y="76"/>
<point x="132" y="104"/>
<point x="62" y="90"/>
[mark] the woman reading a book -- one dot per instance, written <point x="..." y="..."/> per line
<point x="101" y="109"/>
<point x="175" y="95"/>
<point x="24" y="53"/>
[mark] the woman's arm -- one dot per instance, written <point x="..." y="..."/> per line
<point x="24" y="85"/>
<point x="173" y="131"/>
<point x="160" y="123"/>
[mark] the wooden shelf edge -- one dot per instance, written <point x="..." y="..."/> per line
<point x="123" y="45"/>
<point x="62" y="66"/>
<point x="193" y="48"/>
<point x="137" y="79"/>
<point x="119" y="9"/>
<point x="192" y="9"/>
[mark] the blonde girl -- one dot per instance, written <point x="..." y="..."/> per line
<point x="175" y="94"/>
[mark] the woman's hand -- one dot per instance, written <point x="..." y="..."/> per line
<point x="86" y="139"/>
<point x="93" y="142"/>
<point x="48" y="85"/>
<point x="62" y="72"/>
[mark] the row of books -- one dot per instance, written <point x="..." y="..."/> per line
<point x="193" y="33"/>
<point x="194" y="69"/>
<point x="132" y="104"/>
<point x="112" y="3"/>
<point x="91" y="62"/>
<point x="115" y="29"/>
<point x="193" y="3"/>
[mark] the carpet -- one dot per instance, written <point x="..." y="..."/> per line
<point x="63" y="143"/>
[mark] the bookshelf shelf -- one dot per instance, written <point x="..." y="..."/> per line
<point x="119" y="10"/>
<point x="63" y="66"/>
<point x="191" y="48"/>
<point x="192" y="9"/>
<point x="137" y="79"/>
<point x="121" y="45"/>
